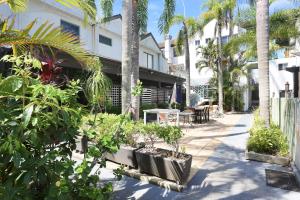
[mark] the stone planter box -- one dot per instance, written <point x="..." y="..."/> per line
<point x="169" y="168"/>
<point x="279" y="160"/>
<point x="125" y="156"/>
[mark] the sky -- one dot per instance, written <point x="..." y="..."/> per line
<point x="193" y="8"/>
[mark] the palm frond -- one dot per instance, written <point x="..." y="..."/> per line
<point x="179" y="42"/>
<point x="107" y="9"/>
<point x="45" y="35"/>
<point x="167" y="15"/>
<point x="142" y="15"/>
<point x="87" y="6"/>
<point x="15" y="5"/>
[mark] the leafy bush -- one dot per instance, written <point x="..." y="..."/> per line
<point x="151" y="132"/>
<point x="96" y="127"/>
<point x="171" y="135"/>
<point x="38" y="127"/>
<point x="267" y="140"/>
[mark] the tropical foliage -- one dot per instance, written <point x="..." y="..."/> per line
<point x="39" y="125"/>
<point x="190" y="27"/>
<point x="267" y="140"/>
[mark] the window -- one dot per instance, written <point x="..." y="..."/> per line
<point x="207" y="40"/>
<point x="176" y="53"/>
<point x="68" y="27"/>
<point x="197" y="43"/>
<point x="105" y="40"/>
<point x="224" y="39"/>
<point x="150" y="59"/>
<point x="282" y="66"/>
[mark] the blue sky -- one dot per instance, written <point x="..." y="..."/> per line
<point x="193" y="8"/>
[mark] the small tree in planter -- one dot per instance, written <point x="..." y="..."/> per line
<point x="163" y="163"/>
<point x="171" y="135"/>
<point x="150" y="132"/>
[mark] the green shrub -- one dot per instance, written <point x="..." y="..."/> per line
<point x="108" y="125"/>
<point x="267" y="140"/>
<point x="171" y="135"/>
<point x="151" y="133"/>
<point x="38" y="127"/>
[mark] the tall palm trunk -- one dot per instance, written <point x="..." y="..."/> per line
<point x="126" y="61"/>
<point x="187" y="65"/>
<point x="220" y="69"/>
<point x="135" y="58"/>
<point x="231" y="26"/>
<point x="262" y="31"/>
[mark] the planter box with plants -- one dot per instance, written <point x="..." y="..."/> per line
<point x="166" y="164"/>
<point x="267" y="144"/>
<point x="129" y="130"/>
<point x="125" y="155"/>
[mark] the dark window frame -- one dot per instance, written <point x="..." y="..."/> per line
<point x="68" y="26"/>
<point x="105" y="40"/>
<point x="197" y="42"/>
<point x="152" y="59"/>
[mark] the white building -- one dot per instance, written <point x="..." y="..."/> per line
<point x="282" y="70"/>
<point x="104" y="40"/>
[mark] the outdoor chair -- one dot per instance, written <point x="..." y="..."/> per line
<point x="187" y="116"/>
<point x="206" y="113"/>
<point x="199" y="114"/>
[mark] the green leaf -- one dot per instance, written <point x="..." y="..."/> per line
<point x="10" y="85"/>
<point x="27" y="115"/>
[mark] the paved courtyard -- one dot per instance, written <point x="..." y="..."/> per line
<point x="220" y="170"/>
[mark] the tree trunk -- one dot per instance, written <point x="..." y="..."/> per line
<point x="231" y="26"/>
<point x="135" y="59"/>
<point x="262" y="32"/>
<point x="233" y="100"/>
<point x="187" y="65"/>
<point x="126" y="48"/>
<point x="220" y="69"/>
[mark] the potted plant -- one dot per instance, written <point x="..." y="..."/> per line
<point x="166" y="164"/>
<point x="126" y="153"/>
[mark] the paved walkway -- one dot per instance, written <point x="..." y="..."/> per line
<point x="225" y="174"/>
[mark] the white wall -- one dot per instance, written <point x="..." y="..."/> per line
<point x="49" y="10"/>
<point x="200" y="78"/>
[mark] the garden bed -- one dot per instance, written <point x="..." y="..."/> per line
<point x="161" y="163"/>
<point x="125" y="156"/>
<point x="279" y="160"/>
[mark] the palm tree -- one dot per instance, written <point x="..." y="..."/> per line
<point x="190" y="27"/>
<point x="126" y="56"/>
<point x="139" y="24"/>
<point x="218" y="10"/>
<point x="138" y="21"/>
<point x="282" y="27"/>
<point x="262" y="35"/>
<point x="209" y="56"/>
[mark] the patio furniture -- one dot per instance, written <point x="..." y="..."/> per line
<point x="162" y="113"/>
<point x="199" y="114"/>
<point x="186" y="115"/>
<point x="206" y="113"/>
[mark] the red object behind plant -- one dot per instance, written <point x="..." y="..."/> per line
<point x="52" y="73"/>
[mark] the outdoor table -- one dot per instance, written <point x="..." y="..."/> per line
<point x="186" y="115"/>
<point x="162" y="111"/>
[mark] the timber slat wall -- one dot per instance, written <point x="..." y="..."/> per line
<point x="285" y="112"/>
